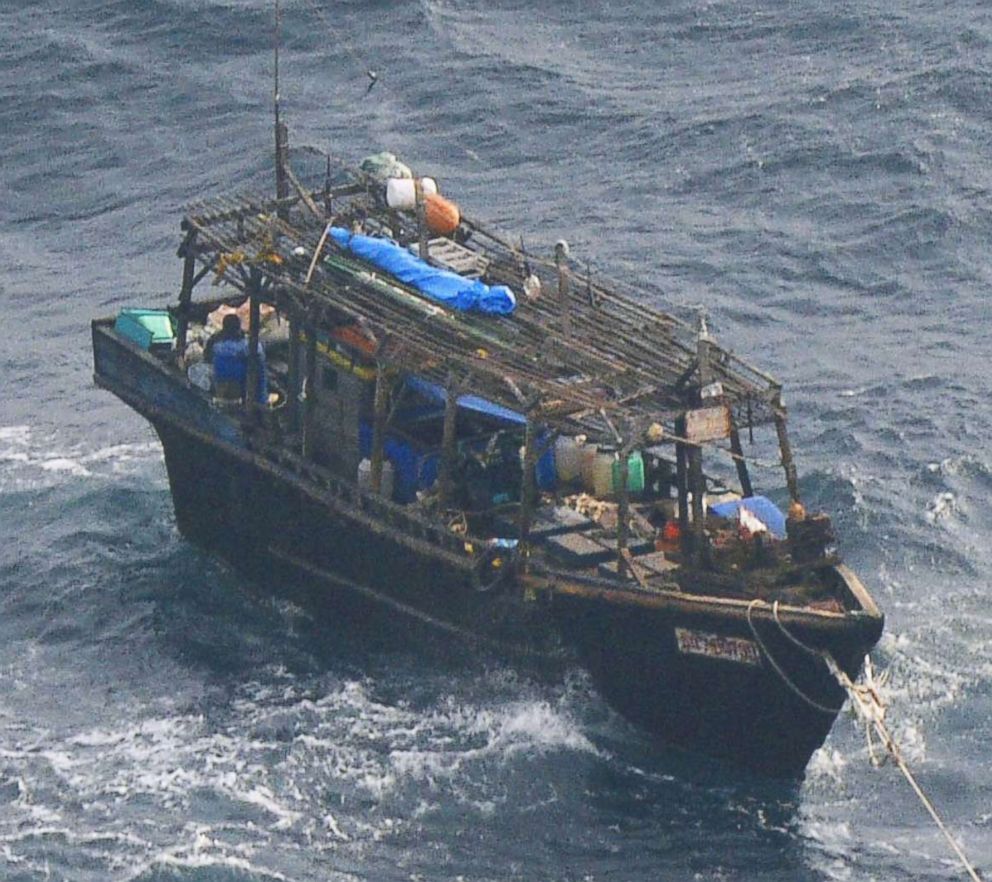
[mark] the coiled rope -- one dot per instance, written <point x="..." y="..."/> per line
<point x="870" y="708"/>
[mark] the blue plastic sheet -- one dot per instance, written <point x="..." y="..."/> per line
<point x="761" y="507"/>
<point x="470" y="402"/>
<point x="441" y="285"/>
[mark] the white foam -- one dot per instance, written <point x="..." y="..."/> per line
<point x="826" y="764"/>
<point x="263" y="797"/>
<point x="943" y="505"/>
<point x="20" y="435"/>
<point x="28" y="461"/>
<point x="64" y="464"/>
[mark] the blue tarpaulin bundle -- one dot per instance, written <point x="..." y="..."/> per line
<point x="444" y="286"/>
<point x="761" y="507"/>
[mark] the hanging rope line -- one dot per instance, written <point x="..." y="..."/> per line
<point x="871" y="710"/>
<point x="812" y="702"/>
<point x="870" y="707"/>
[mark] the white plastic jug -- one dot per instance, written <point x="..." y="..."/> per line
<point x="401" y="192"/>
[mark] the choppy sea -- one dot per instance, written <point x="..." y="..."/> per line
<point x="816" y="174"/>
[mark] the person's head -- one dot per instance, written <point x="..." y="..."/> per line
<point x="231" y="325"/>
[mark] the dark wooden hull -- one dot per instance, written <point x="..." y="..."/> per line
<point x="271" y="522"/>
<point x="758" y="700"/>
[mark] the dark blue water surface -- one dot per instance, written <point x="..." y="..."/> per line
<point x="817" y="174"/>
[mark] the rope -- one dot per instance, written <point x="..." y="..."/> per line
<point x="792" y="637"/>
<point x="812" y="702"/>
<point x="870" y="708"/>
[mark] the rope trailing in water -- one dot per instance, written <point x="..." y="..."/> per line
<point x="870" y="708"/>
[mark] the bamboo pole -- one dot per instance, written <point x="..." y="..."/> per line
<point x="316" y="253"/>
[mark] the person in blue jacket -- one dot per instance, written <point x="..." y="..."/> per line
<point x="227" y="352"/>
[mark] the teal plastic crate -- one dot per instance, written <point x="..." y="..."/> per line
<point x="146" y="327"/>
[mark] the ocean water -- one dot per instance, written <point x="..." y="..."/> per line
<point x="816" y="175"/>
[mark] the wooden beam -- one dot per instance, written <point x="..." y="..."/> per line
<point x="282" y="163"/>
<point x="425" y="251"/>
<point x="310" y="382"/>
<point x="188" y="252"/>
<point x="564" y="307"/>
<point x="697" y="480"/>
<point x="528" y="489"/>
<point x="735" y="448"/>
<point x="254" y="327"/>
<point x="682" y="483"/>
<point x="293" y="405"/>
<point x="449" y="440"/>
<point x="379" y="410"/>
<point x="791" y="479"/>
<point x="623" y="512"/>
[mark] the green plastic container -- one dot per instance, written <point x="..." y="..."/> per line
<point x="635" y="473"/>
<point x="146" y="327"/>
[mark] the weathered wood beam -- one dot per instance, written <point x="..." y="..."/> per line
<point x="682" y="485"/>
<point x="293" y="405"/>
<point x="282" y="164"/>
<point x="254" y="328"/>
<point x="735" y="448"/>
<point x="379" y="410"/>
<point x="422" y="237"/>
<point x="187" y="251"/>
<point x="446" y="477"/>
<point x="791" y="479"/>
<point x="528" y="489"/>
<point x="310" y="402"/>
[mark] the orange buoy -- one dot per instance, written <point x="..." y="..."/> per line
<point x="441" y="215"/>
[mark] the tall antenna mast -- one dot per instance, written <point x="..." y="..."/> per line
<point x="282" y="133"/>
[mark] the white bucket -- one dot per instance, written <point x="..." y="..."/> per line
<point x="401" y="192"/>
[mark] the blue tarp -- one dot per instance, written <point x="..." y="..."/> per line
<point x="470" y="402"/>
<point x="441" y="285"/>
<point x="761" y="507"/>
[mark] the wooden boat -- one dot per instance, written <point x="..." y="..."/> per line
<point x="526" y="483"/>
